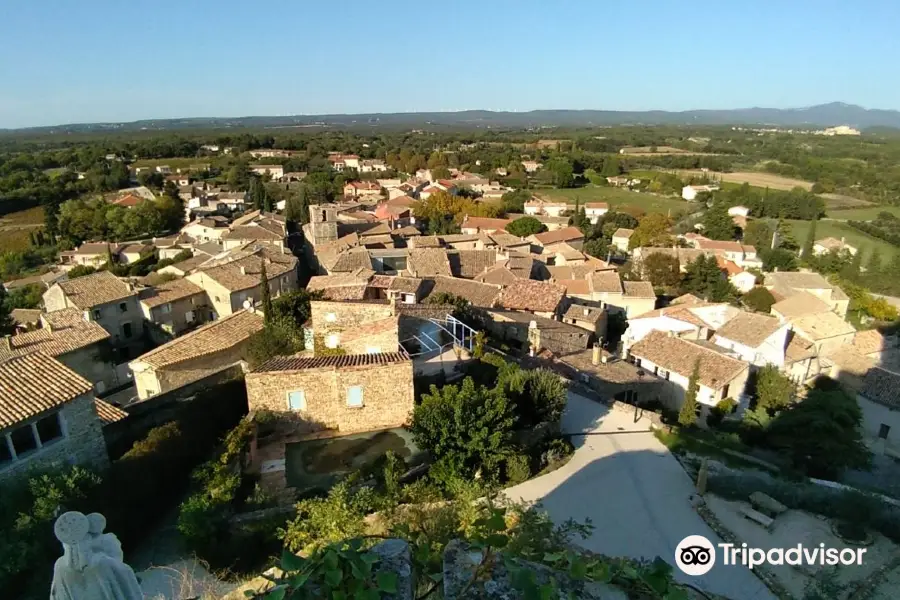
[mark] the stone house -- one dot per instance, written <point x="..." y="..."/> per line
<point x="355" y="327"/>
<point x="693" y="321"/>
<point x="476" y="225"/>
<point x="672" y="359"/>
<point x="206" y="229"/>
<point x="234" y="280"/>
<point x="47" y="417"/>
<point x="89" y="254"/>
<point x="755" y="338"/>
<point x="589" y="318"/>
<point x="81" y="345"/>
<point x="532" y="331"/>
<point x="594" y="210"/>
<point x="571" y="235"/>
<point x="105" y="299"/>
<point x="607" y="289"/>
<point x="880" y="405"/>
<point x="349" y="393"/>
<point x="268" y="171"/>
<point x="786" y="284"/>
<point x="175" y="306"/>
<point x="826" y="331"/>
<point x="542" y="298"/>
<point x="256" y="226"/>
<point x="203" y="352"/>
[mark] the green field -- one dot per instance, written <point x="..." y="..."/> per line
<point x="616" y="197"/>
<point x="15" y="228"/>
<point x="174" y="163"/>
<point x="862" y="214"/>
<point x="837" y="229"/>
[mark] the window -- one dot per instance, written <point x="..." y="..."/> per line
<point x="23" y="440"/>
<point x="725" y="391"/>
<point x="123" y="307"/>
<point x="297" y="400"/>
<point x="330" y="317"/>
<point x="126" y="330"/>
<point x="883" y="431"/>
<point x="49" y="429"/>
<point x="355" y="396"/>
<point x="332" y="341"/>
<point x="166" y="309"/>
<point x="189" y="316"/>
<point x="96" y="313"/>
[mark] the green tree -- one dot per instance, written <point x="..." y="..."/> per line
<point x="807" y="251"/>
<point x="525" y="226"/>
<point x="265" y="293"/>
<point x="611" y="167"/>
<point x="688" y="413"/>
<point x="759" y="299"/>
<point x="538" y="396"/>
<point x="652" y="230"/>
<point x="780" y="259"/>
<point x="296" y="208"/>
<point x="7" y="325"/>
<point x="852" y="271"/>
<point x="561" y="170"/>
<point x="662" y="270"/>
<point x="774" y="390"/>
<point x="80" y="271"/>
<point x="821" y="435"/>
<point x="294" y="306"/>
<point x="278" y="338"/>
<point x="440" y="172"/>
<point x="718" y="224"/>
<point x="702" y="275"/>
<point x="758" y="234"/>
<point x="466" y="428"/>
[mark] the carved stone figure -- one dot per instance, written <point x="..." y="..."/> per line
<point x="91" y="564"/>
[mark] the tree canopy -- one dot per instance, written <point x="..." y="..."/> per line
<point x="526" y="226"/>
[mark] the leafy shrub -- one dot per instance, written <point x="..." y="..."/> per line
<point x="556" y="451"/>
<point x="538" y="396"/>
<point x="28" y="508"/>
<point x="517" y="469"/>
<point x="204" y="516"/>
<point x="722" y="409"/>
<point x="336" y="517"/>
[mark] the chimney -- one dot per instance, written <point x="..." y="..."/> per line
<point x="87" y="316"/>
<point x="595" y="354"/>
<point x="243" y="271"/>
<point x="587" y="311"/>
<point x="7" y="342"/>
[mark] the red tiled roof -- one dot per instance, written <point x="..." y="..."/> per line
<point x="291" y="363"/>
<point x="560" y="235"/>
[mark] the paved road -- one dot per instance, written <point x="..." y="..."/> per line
<point x="635" y="493"/>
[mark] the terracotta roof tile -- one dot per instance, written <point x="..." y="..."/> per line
<point x="622" y="232"/>
<point x="478" y="294"/>
<point x="209" y="339"/>
<point x="485" y="223"/>
<point x="750" y="329"/>
<point x="638" y="289"/>
<point x="95" y="289"/>
<point x="63" y="331"/>
<point x="352" y="259"/>
<point x="244" y="273"/>
<point x="881" y="386"/>
<point x="428" y="262"/>
<point x="170" y="291"/>
<point x="822" y="326"/>
<point x="607" y="282"/>
<point x="865" y="342"/>
<point x="565" y="234"/>
<point x="290" y="363"/>
<point x="407" y="285"/>
<point x="800" y="304"/>
<point x="530" y="295"/>
<point x="34" y="383"/>
<point x="107" y="412"/>
<point x="471" y="263"/>
<point x="679" y="356"/>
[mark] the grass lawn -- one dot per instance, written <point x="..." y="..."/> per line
<point x="616" y="197"/>
<point x="837" y="229"/>
<point x="174" y="163"/>
<point x="16" y="227"/>
<point x="862" y="214"/>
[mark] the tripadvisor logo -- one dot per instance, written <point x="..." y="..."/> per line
<point x="695" y="555"/>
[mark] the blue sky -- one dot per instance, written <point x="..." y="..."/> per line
<point x="64" y="61"/>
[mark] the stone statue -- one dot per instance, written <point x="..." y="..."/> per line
<point x="91" y="565"/>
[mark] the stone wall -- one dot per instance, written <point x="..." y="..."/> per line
<point x="82" y="444"/>
<point x="387" y="392"/>
<point x="342" y="318"/>
<point x="384" y="341"/>
<point x="151" y="382"/>
<point x="94" y="364"/>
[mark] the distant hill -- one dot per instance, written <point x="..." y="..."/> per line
<point x="823" y="115"/>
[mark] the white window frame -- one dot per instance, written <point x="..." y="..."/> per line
<point x="362" y="401"/>
<point x="332" y="341"/>
<point x="302" y="400"/>
<point x="330" y="317"/>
